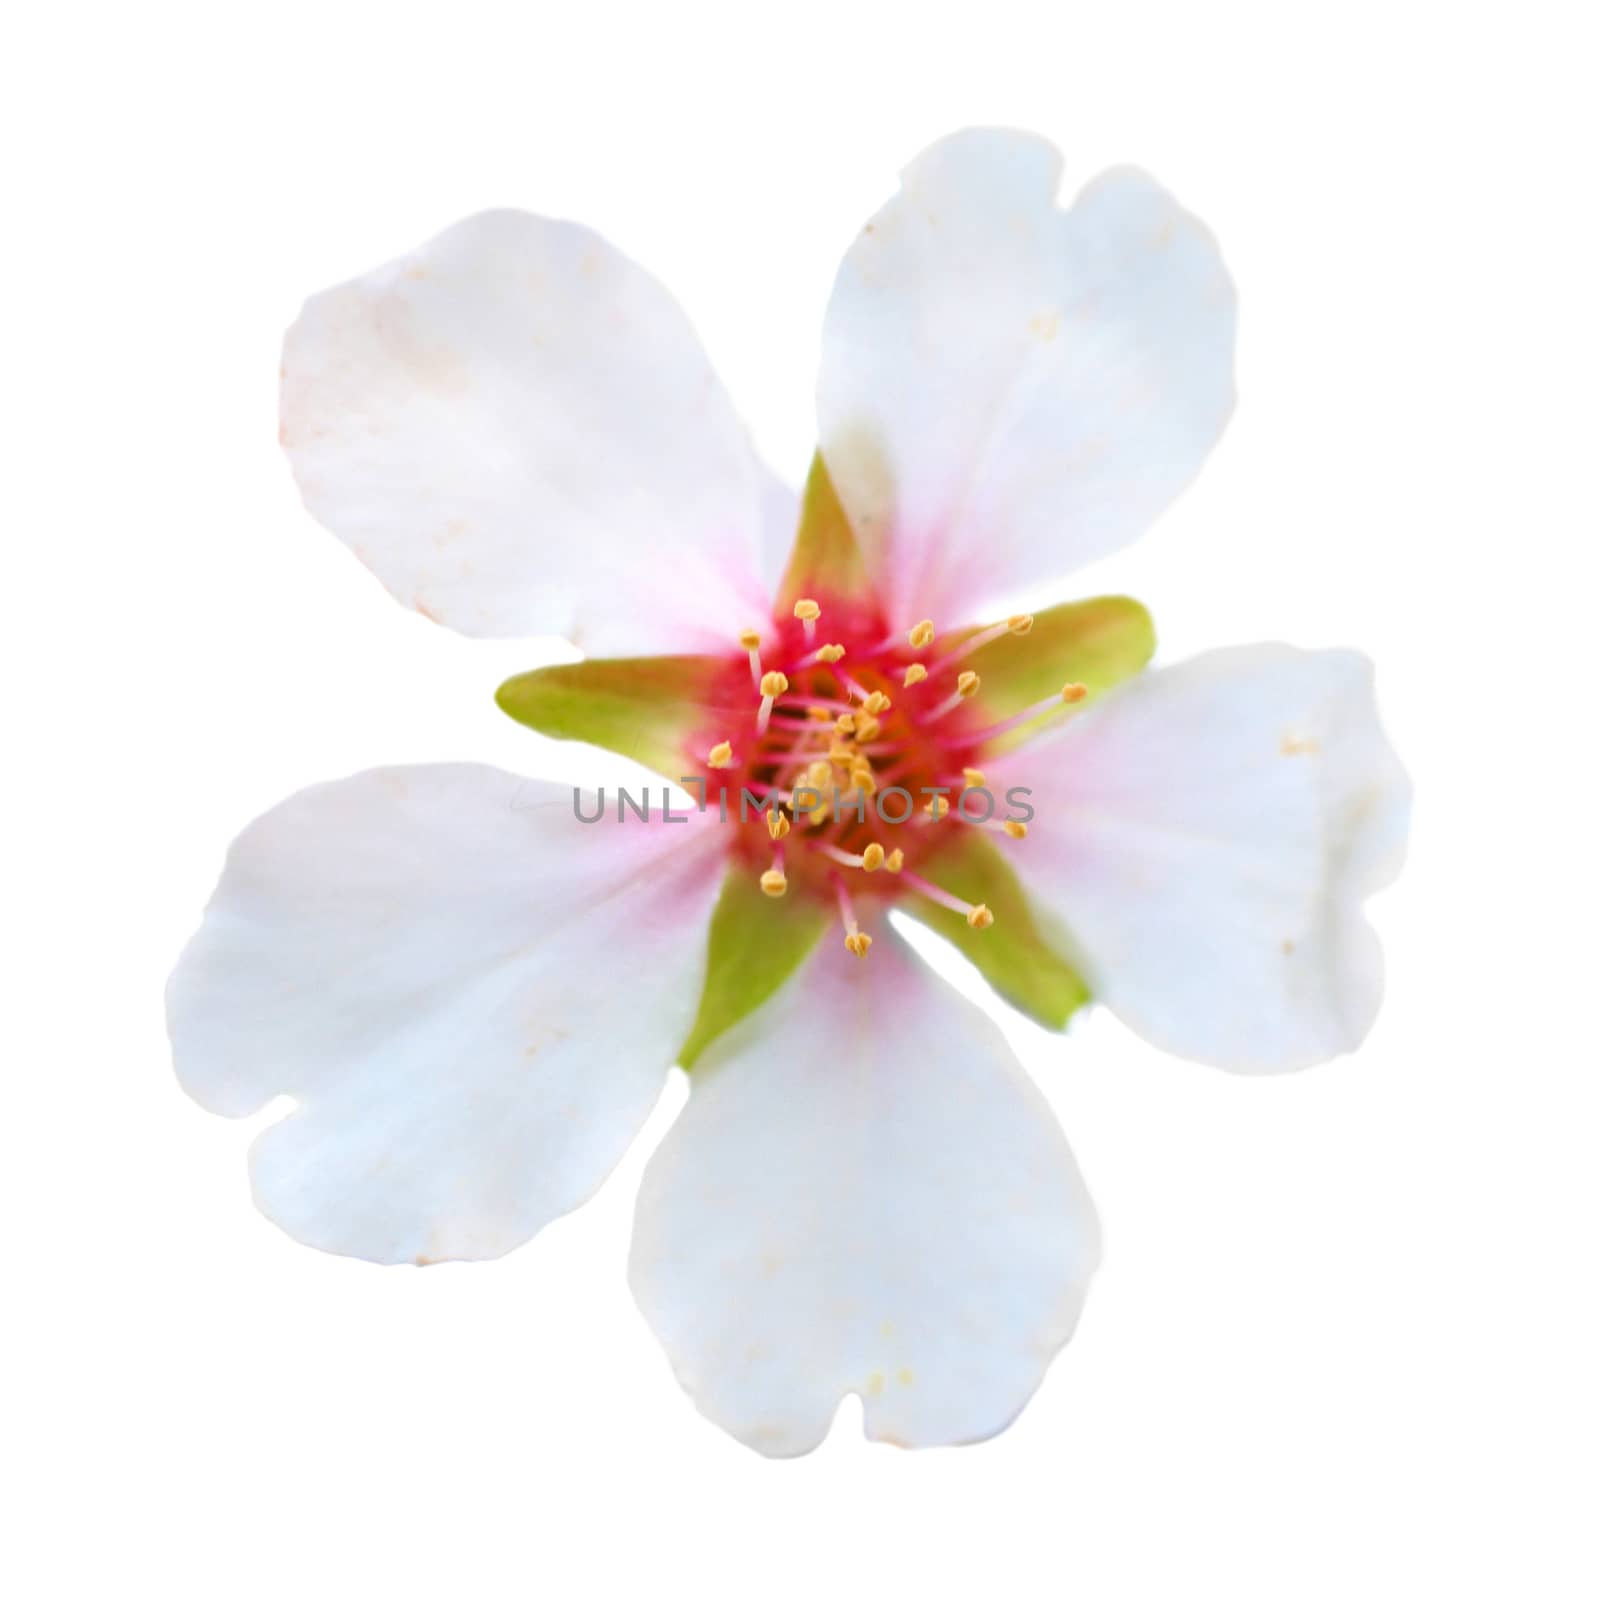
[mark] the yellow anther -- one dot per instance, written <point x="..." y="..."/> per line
<point x="872" y="857"/>
<point x="845" y="726"/>
<point x="915" y="673"/>
<point x="843" y="754"/>
<point x="1019" y="625"/>
<point x="922" y="635"/>
<point x="895" y="860"/>
<point x="818" y="713"/>
<point x="831" y="653"/>
<point x="937" y="807"/>
<point x="858" y="944"/>
<point x="967" y="685"/>
<point x="971" y="778"/>
<point x="773" y="883"/>
<point x="861" y="775"/>
<point x="721" y="755"/>
<point x="867" y="729"/>
<point x="774" y="683"/>
<point x="1072" y="693"/>
<point x="1017" y="830"/>
<point x="807" y="610"/>
<point x="980" y="916"/>
<point x="777" y="824"/>
<point x="819" y="774"/>
<point x="750" y="639"/>
<point x="876" y="702"/>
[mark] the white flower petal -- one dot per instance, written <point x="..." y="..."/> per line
<point x="1207" y="835"/>
<point x="1008" y="390"/>
<point x="516" y="428"/>
<point x="865" y="1193"/>
<point x="474" y="998"/>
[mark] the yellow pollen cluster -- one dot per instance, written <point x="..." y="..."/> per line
<point x="721" y="755"/>
<point x="774" y="684"/>
<point x="1072" y="693"/>
<point x="877" y="703"/>
<point x="831" y="653"/>
<point x="1019" y="625"/>
<point x="921" y="636"/>
<point x="858" y="944"/>
<point x="774" y="883"/>
<point x="750" y="639"/>
<point x="980" y="916"/>
<point x="967" y="685"/>
<point x="807" y="610"/>
<point x="915" y="673"/>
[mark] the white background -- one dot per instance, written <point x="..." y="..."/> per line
<point x="1345" y="1339"/>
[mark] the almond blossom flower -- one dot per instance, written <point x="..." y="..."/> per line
<point x="475" y="997"/>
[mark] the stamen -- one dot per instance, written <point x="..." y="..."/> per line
<point x="751" y="640"/>
<point x="937" y="808"/>
<point x="967" y="685"/>
<point x="869" y="860"/>
<point x="971" y="778"/>
<point x="818" y="707"/>
<point x="855" y="941"/>
<point x="852" y="686"/>
<point x="895" y="860"/>
<point x="915" y="673"/>
<point x="828" y="653"/>
<point x="774" y="884"/>
<point x="921" y="636"/>
<point x="1071" y="694"/>
<point x="978" y="916"/>
<point x="867" y="728"/>
<point x="777" y="825"/>
<point x="876" y="703"/>
<point x="845" y="726"/>
<point x="1018" y="627"/>
<point x="721" y="755"/>
<point x="808" y="611"/>
<point x="1014" y="830"/>
<point x="771" y="686"/>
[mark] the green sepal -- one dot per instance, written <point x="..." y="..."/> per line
<point x="1097" y="643"/>
<point x="645" y="708"/>
<point x="826" y="558"/>
<point x="1013" y="953"/>
<point x="756" y="943"/>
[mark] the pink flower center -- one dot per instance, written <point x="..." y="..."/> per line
<point x="857" y="765"/>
